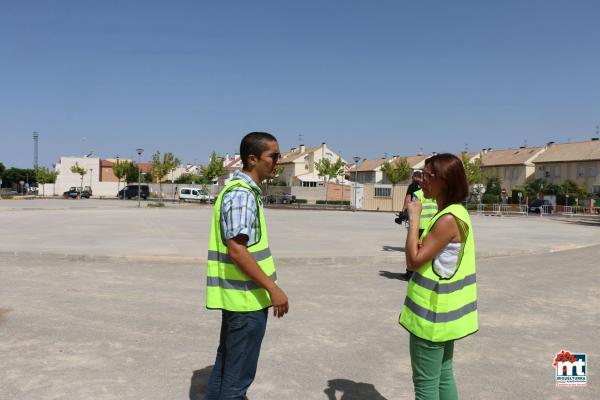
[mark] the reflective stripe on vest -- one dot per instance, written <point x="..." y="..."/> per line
<point x="439" y="309"/>
<point x="429" y="209"/>
<point x="228" y="287"/>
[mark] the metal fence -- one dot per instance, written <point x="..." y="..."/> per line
<point x="516" y="209"/>
<point x="501" y="209"/>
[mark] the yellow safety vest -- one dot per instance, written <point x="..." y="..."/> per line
<point x="227" y="287"/>
<point x="438" y="309"/>
<point x="429" y="209"/>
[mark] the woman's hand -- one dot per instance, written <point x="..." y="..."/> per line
<point x="414" y="210"/>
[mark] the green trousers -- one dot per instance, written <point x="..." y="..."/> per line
<point x="432" y="369"/>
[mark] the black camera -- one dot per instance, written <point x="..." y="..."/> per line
<point x="401" y="217"/>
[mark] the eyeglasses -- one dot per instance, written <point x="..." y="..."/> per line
<point x="427" y="175"/>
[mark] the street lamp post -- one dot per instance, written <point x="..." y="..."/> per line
<point x="173" y="183"/>
<point x="139" y="153"/>
<point x="356" y="160"/>
<point x="119" y="183"/>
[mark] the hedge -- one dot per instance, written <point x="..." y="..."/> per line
<point x="334" y="202"/>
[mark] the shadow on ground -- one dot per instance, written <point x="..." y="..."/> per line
<point x="351" y="390"/>
<point x="393" y="248"/>
<point x="393" y="275"/>
<point x="199" y="383"/>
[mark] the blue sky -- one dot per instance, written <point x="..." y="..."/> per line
<point x="367" y="77"/>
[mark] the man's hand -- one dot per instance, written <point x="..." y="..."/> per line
<point x="279" y="300"/>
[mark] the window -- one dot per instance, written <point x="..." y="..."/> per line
<point x="581" y="170"/>
<point x="383" y="192"/>
<point x="185" y="191"/>
<point x="546" y="174"/>
<point x="595" y="189"/>
<point x="309" y="184"/>
<point x="195" y="192"/>
<point x="557" y="171"/>
<point x="592" y="170"/>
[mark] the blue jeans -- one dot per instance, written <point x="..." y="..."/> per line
<point x="237" y="356"/>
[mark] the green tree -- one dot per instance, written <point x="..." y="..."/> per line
<point x="12" y="176"/>
<point x="396" y="172"/>
<point x="76" y="169"/>
<point x="493" y="185"/>
<point x="120" y="171"/>
<point x="552" y="188"/>
<point x="476" y="177"/>
<point x="473" y="170"/>
<point x="534" y="187"/>
<point x="131" y="174"/>
<point x="215" y="168"/>
<point x="329" y="170"/>
<point x="191" y="179"/>
<point x="43" y="175"/>
<point x="160" y="167"/>
<point x="574" y="190"/>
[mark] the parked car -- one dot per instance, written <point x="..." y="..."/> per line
<point x="540" y="206"/>
<point x="281" y="198"/>
<point x="76" y="192"/>
<point x="195" y="194"/>
<point x="131" y="191"/>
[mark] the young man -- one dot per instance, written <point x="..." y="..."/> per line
<point x="241" y="278"/>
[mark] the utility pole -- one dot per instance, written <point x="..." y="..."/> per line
<point x="36" y="137"/>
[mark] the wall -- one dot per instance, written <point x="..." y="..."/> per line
<point x="339" y="192"/>
<point x="370" y="202"/>
<point x="560" y="172"/>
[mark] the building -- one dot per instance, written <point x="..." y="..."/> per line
<point x="369" y="171"/>
<point x="578" y="162"/>
<point x="512" y="166"/>
<point x="299" y="165"/>
<point x="231" y="165"/>
<point x="376" y="190"/>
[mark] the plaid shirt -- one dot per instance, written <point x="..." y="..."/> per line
<point x="239" y="211"/>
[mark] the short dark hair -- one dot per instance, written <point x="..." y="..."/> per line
<point x="254" y="143"/>
<point x="450" y="170"/>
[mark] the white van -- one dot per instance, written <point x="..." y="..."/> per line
<point x="195" y="194"/>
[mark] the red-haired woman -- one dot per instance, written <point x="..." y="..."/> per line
<point x="441" y="298"/>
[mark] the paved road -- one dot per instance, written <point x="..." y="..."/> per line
<point x="180" y="233"/>
<point x="112" y="328"/>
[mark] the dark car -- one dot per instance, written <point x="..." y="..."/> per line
<point x="540" y="206"/>
<point x="76" y="192"/>
<point x="281" y="198"/>
<point x="131" y="191"/>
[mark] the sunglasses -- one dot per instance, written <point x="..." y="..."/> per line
<point x="275" y="157"/>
